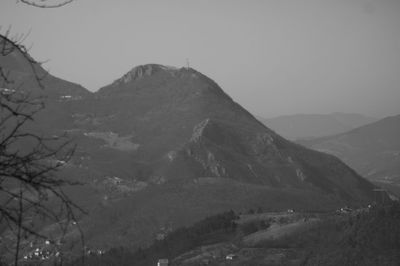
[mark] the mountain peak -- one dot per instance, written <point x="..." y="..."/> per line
<point x="162" y="80"/>
<point x="141" y="71"/>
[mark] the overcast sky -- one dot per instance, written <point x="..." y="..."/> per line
<point x="273" y="57"/>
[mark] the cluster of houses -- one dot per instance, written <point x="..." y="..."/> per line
<point x="95" y="252"/>
<point x="165" y="262"/>
<point x="42" y="253"/>
<point x="69" y="98"/>
<point x="6" y="91"/>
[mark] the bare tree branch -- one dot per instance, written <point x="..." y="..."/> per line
<point x="46" y="3"/>
<point x="29" y="162"/>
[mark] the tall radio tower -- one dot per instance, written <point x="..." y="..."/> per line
<point x="187" y="63"/>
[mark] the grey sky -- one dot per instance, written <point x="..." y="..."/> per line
<point x="273" y="57"/>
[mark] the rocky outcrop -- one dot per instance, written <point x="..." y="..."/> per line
<point x="141" y="71"/>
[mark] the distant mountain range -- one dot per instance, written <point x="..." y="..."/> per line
<point x="305" y="126"/>
<point x="162" y="147"/>
<point x="373" y="150"/>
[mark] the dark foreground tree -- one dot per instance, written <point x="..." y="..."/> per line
<point x="31" y="192"/>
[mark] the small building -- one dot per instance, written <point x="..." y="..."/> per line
<point x="345" y="210"/>
<point x="231" y="257"/>
<point x="162" y="262"/>
<point x="116" y="180"/>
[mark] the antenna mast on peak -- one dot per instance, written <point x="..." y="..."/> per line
<point x="187" y="64"/>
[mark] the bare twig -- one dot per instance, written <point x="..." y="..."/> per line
<point x="47" y="3"/>
<point x="29" y="161"/>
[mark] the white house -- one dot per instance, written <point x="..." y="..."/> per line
<point x="162" y="262"/>
<point x="231" y="257"/>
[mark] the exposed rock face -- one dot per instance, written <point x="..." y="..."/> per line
<point x="198" y="130"/>
<point x="139" y="72"/>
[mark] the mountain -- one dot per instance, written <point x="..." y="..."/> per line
<point x="372" y="150"/>
<point x="177" y="125"/>
<point x="162" y="147"/>
<point x="24" y="71"/>
<point x="304" y="126"/>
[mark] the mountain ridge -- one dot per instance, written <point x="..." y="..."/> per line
<point x="370" y="149"/>
<point x="28" y="75"/>
<point x="304" y="126"/>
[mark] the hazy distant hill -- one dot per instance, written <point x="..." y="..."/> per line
<point x="303" y="126"/>
<point x="373" y="150"/>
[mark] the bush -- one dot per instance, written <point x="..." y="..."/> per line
<point x="253" y="226"/>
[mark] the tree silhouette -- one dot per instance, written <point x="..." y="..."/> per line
<point x="31" y="192"/>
